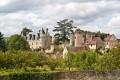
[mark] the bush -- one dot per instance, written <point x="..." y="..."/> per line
<point x="29" y="76"/>
<point x="37" y="69"/>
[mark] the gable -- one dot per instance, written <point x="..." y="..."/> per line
<point x="113" y="38"/>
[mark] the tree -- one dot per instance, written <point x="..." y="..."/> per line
<point x="25" y="31"/>
<point x="17" y="42"/>
<point x="53" y="63"/>
<point x="63" y="28"/>
<point x="70" y="60"/>
<point x="2" y="43"/>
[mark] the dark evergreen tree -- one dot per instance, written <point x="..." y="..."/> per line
<point x="63" y="28"/>
<point x="2" y="43"/>
<point x="25" y="31"/>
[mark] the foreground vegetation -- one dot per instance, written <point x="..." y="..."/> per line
<point x="25" y="61"/>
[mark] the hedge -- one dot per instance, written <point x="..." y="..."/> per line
<point x="29" y="76"/>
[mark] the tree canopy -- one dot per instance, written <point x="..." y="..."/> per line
<point x="17" y="42"/>
<point x="63" y="28"/>
<point x="2" y="43"/>
<point x="25" y="31"/>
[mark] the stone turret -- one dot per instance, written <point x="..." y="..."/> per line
<point x="48" y="38"/>
<point x="43" y="39"/>
<point x="72" y="39"/>
<point x="79" y="39"/>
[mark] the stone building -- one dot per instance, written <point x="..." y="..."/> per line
<point x="76" y="39"/>
<point x="39" y="40"/>
<point x="118" y="41"/>
<point x="80" y="40"/>
<point x="111" y="41"/>
<point x="95" y="43"/>
<point x="73" y="49"/>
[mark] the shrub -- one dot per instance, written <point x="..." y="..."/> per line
<point x="29" y="76"/>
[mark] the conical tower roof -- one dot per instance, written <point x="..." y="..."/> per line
<point x="43" y="32"/>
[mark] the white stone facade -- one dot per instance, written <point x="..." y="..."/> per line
<point x="40" y="40"/>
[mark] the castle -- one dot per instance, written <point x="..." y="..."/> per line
<point x="39" y="40"/>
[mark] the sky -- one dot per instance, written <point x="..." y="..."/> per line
<point x="91" y="15"/>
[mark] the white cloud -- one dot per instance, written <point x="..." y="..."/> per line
<point x="114" y="22"/>
<point x="4" y="2"/>
<point x="93" y="15"/>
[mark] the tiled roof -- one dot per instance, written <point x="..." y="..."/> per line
<point x="75" y="49"/>
<point x="108" y="38"/>
<point x="118" y="40"/>
<point x="93" y="41"/>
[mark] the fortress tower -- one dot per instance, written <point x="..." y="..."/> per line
<point x="72" y="39"/>
<point x="79" y="39"/>
<point x="48" y="38"/>
<point x="43" y="39"/>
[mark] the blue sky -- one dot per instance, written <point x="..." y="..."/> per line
<point x="92" y="15"/>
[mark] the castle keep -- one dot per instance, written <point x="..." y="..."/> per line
<point x="39" y="40"/>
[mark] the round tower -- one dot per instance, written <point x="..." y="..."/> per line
<point x="72" y="39"/>
<point x="42" y="39"/>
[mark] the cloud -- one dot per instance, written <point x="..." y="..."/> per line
<point x="91" y="15"/>
<point x="114" y="23"/>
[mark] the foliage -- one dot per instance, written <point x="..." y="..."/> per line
<point x="19" y="59"/>
<point x="53" y="63"/>
<point x="29" y="76"/>
<point x="70" y="60"/>
<point x="81" y="60"/>
<point x="63" y="29"/>
<point x="2" y="43"/>
<point x="90" y="60"/>
<point x="84" y="60"/>
<point x="25" y="31"/>
<point x="17" y="42"/>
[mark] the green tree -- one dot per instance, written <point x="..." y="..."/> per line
<point x="25" y="31"/>
<point x="17" y="42"/>
<point x="70" y="60"/>
<point x="63" y="28"/>
<point x="86" y="60"/>
<point x="2" y="43"/>
<point x="53" y="63"/>
<point x="116" y="56"/>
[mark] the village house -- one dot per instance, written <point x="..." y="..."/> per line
<point x="111" y="41"/>
<point x="95" y="43"/>
<point x="73" y="49"/>
<point x="118" y="41"/>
